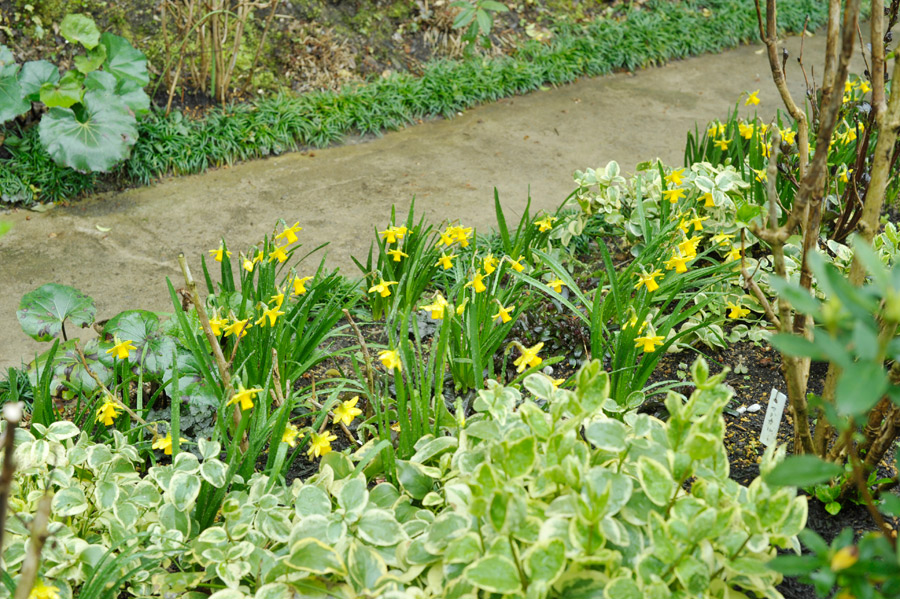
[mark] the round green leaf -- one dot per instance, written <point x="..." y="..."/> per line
<point x="214" y="472"/>
<point x="656" y="481"/>
<point x="8" y="65"/>
<point x="69" y="502"/>
<point x="98" y="141"/>
<point x="43" y="311"/>
<point x="607" y="435"/>
<point x="34" y="74"/>
<point x="68" y="373"/>
<point x="312" y="501"/>
<point x="183" y="490"/>
<point x="67" y="92"/>
<point x="123" y="60"/>
<point x="495" y="574"/>
<point x="379" y="527"/>
<point x="80" y="29"/>
<point x="12" y="102"/>
<point x="143" y="329"/>
<point x="312" y="555"/>
<point x="365" y="567"/>
<point x="134" y="97"/>
<point x="623" y="588"/>
<point x="91" y="61"/>
<point x="545" y="561"/>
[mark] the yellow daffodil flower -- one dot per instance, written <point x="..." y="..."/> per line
<point x="716" y="129"/>
<point x="216" y="324"/>
<point x="462" y="307"/>
<point x="844" y="558"/>
<point x="278" y="254"/>
<point x="545" y="224"/>
<point x="383" y="287"/>
<point x="272" y="314"/>
<point x="503" y="313"/>
<point x="697" y="222"/>
<point x="516" y="264"/>
<point x="244" y="396"/>
<point x="848" y="86"/>
<point x="733" y="254"/>
<point x="238" y="327"/>
<point x="761" y="175"/>
<point x="108" y="412"/>
<point x="673" y="195"/>
<point x="247" y="264"/>
<point x="722" y="144"/>
<point x="648" y="342"/>
<point x="477" y="282"/>
<point x="290" y="435"/>
<point x="120" y="349"/>
<point x="688" y="246"/>
<point x="446" y="239"/>
<point x="864" y="87"/>
<point x="721" y="238"/>
<point x="674" y="178"/>
<point x="684" y="225"/>
<point x="745" y="129"/>
<point x="737" y="311"/>
<point x="278" y="298"/>
<point x="392" y="234"/>
<point x="165" y="443"/>
<point x="529" y="358"/>
<point x="678" y="262"/>
<point x="460" y="234"/>
<point x="708" y="201"/>
<point x="437" y="307"/>
<point x="42" y="591"/>
<point x="752" y="99"/>
<point x="556" y="285"/>
<point x="391" y="359"/>
<point x="300" y="285"/>
<point x="217" y="254"/>
<point x="764" y="150"/>
<point x="320" y="444"/>
<point x="788" y="135"/>
<point x="445" y="261"/>
<point x="844" y="174"/>
<point x="397" y="254"/>
<point x="648" y="280"/>
<point x="490" y="264"/>
<point x="290" y="233"/>
<point x="557" y="382"/>
<point x="346" y="411"/>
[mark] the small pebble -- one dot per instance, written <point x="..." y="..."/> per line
<point x="548" y="370"/>
<point x="754" y="408"/>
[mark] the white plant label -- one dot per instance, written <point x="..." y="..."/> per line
<point x="774" y="412"/>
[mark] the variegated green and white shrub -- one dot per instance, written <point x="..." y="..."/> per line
<point x="558" y="494"/>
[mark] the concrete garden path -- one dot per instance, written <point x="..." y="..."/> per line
<point x="339" y="194"/>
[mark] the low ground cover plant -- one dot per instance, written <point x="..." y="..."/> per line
<point x="169" y="144"/>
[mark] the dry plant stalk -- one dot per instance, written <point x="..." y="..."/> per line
<point x="209" y="35"/>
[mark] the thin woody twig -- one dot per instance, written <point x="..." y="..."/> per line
<point x="39" y="533"/>
<point x="12" y="414"/>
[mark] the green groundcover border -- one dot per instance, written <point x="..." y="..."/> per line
<point x="649" y="35"/>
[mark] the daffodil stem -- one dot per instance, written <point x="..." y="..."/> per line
<point x="370" y="375"/>
<point x="224" y="374"/>
<point x="109" y="394"/>
<point x="276" y="378"/>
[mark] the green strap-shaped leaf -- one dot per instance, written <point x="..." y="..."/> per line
<point x="43" y="311"/>
<point x="97" y="142"/>
<point x="802" y="471"/>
